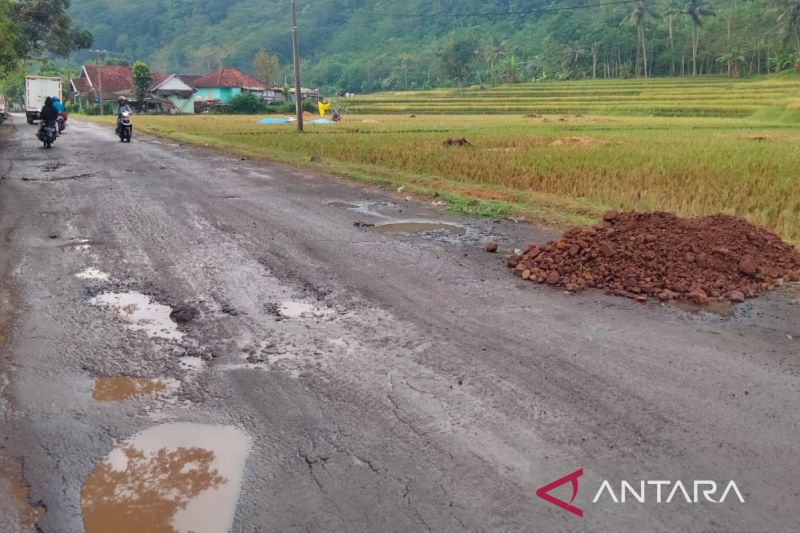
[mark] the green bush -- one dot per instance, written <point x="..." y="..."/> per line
<point x="246" y="104"/>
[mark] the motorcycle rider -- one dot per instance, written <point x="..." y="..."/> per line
<point x="49" y="113"/>
<point x="62" y="111"/>
<point x="58" y="105"/>
<point x="122" y="107"/>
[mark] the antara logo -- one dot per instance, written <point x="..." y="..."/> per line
<point x="658" y="491"/>
<point x="544" y="492"/>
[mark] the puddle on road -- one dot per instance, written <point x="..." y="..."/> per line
<point x="291" y="309"/>
<point x="191" y="364"/>
<point x="142" y="313"/>
<point x="343" y="205"/>
<point x="80" y="245"/>
<point x="417" y="227"/>
<point x="119" y="389"/>
<point x="722" y="309"/>
<point x="25" y="515"/>
<point x="92" y="273"/>
<point x="178" y="478"/>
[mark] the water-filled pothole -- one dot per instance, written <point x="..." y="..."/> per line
<point x="722" y="309"/>
<point x="142" y="313"/>
<point x="170" y="478"/>
<point x="417" y="227"/>
<point x="92" y="273"/>
<point x="292" y="309"/>
<point x="342" y="205"/>
<point x="121" y="388"/>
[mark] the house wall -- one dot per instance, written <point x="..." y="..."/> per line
<point x="223" y="94"/>
<point x="184" y="105"/>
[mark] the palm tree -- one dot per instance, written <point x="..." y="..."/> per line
<point x="639" y="14"/>
<point x="789" y="20"/>
<point x="671" y="10"/>
<point x="697" y="10"/>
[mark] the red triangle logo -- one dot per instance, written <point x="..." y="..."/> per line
<point x="544" y="492"/>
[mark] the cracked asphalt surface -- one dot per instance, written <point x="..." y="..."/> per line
<point x="424" y="388"/>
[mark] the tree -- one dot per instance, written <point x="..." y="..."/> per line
<point x="735" y="60"/>
<point x="671" y="11"/>
<point x="455" y="59"/>
<point x="697" y="10"/>
<point x="265" y="67"/>
<point x="9" y="39"/>
<point x="141" y="78"/>
<point x="45" y="28"/>
<point x="511" y="68"/>
<point x="639" y="14"/>
<point x="31" y="28"/>
<point x="789" y="20"/>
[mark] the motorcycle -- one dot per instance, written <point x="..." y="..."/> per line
<point x="48" y="134"/>
<point x="124" y="126"/>
<point x="62" y="122"/>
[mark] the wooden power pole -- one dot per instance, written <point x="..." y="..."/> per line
<point x="298" y="92"/>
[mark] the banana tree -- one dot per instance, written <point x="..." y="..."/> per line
<point x="697" y="10"/>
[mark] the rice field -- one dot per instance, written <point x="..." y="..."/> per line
<point x="555" y="168"/>
<point x="674" y="97"/>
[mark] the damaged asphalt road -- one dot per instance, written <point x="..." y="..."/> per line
<point x="351" y="379"/>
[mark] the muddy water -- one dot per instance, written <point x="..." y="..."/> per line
<point x="723" y="309"/>
<point x="172" y="478"/>
<point x="417" y="227"/>
<point x="25" y="515"/>
<point x="142" y="313"/>
<point x="119" y="389"/>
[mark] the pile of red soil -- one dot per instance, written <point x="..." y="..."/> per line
<point x="659" y="255"/>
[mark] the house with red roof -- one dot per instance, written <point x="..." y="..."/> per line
<point x="102" y="82"/>
<point x="225" y="83"/>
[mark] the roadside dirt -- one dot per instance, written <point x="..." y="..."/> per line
<point x="659" y="255"/>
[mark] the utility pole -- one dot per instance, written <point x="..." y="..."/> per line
<point x="298" y="93"/>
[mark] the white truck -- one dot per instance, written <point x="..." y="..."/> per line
<point x="37" y="88"/>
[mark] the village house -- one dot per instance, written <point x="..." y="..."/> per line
<point x="101" y="83"/>
<point x="226" y="83"/>
<point x="106" y="83"/>
<point x="173" y="94"/>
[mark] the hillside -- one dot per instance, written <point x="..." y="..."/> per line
<point x="367" y="46"/>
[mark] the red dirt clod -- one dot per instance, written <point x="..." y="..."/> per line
<point x="660" y="255"/>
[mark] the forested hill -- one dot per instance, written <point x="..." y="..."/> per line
<point x="372" y="45"/>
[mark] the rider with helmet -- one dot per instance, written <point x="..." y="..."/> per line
<point x="122" y="107"/>
<point x="48" y="114"/>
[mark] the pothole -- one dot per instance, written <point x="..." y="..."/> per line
<point x="93" y="274"/>
<point x="118" y="389"/>
<point x="417" y="227"/>
<point x="292" y="309"/>
<point x="141" y="313"/>
<point x="342" y="205"/>
<point x="178" y="478"/>
<point x="191" y="364"/>
<point x="23" y="515"/>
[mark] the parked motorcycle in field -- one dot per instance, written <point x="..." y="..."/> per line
<point x="48" y="133"/>
<point x="124" y="126"/>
